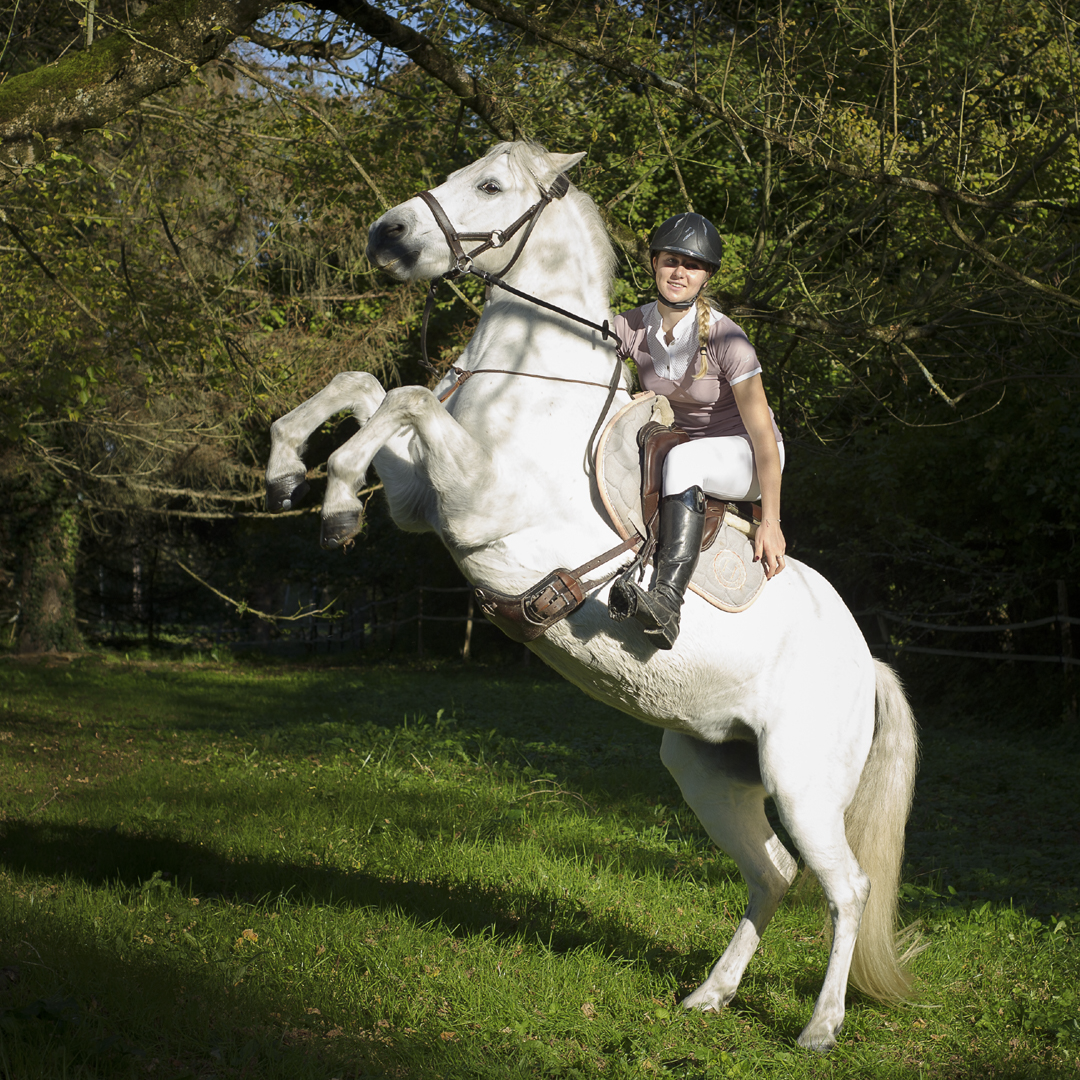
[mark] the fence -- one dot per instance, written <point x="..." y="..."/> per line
<point x="371" y="625"/>
<point x="1064" y="657"/>
<point x="1062" y="619"/>
<point x="362" y="624"/>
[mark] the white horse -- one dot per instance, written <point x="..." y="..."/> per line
<point x="782" y="700"/>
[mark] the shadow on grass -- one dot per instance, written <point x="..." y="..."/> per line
<point x="119" y="1013"/>
<point x="102" y="858"/>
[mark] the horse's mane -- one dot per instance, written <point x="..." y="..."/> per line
<point x="522" y="154"/>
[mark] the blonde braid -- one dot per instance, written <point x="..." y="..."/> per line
<point x="704" y="315"/>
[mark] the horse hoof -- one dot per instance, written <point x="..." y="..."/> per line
<point x="286" y="492"/>
<point x="338" y="529"/>
<point x="819" y="1042"/>
<point x="707" y="999"/>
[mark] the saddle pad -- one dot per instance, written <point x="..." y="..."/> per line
<point x="726" y="574"/>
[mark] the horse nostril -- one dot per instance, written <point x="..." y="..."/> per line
<point x="392" y="230"/>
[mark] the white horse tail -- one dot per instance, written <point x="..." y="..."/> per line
<point x="875" y="823"/>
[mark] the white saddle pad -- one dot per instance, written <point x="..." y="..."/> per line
<point x="726" y="574"/>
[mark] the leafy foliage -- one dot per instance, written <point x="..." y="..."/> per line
<point x="897" y="188"/>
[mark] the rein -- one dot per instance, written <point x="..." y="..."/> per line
<point x="463" y="375"/>
<point x="463" y="264"/>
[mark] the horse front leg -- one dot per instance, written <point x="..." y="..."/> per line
<point x="453" y="481"/>
<point x="286" y="485"/>
<point x="722" y="785"/>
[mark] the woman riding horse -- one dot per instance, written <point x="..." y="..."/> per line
<point x="783" y="700"/>
<point x="695" y="356"/>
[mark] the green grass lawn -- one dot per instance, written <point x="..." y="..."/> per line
<point x="244" y="870"/>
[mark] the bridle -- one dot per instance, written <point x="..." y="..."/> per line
<point x="463" y="262"/>
<point x="496" y="238"/>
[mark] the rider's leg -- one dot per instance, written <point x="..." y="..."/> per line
<point x="723" y="467"/>
<point x="682" y="521"/>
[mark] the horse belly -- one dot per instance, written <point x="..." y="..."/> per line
<point x="671" y="690"/>
<point x="793" y="664"/>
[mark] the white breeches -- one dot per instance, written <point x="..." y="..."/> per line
<point x="722" y="467"/>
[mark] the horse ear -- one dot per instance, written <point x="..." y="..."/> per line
<point x="561" y="162"/>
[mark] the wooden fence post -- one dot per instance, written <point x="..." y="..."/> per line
<point x="466" y="649"/>
<point x="420" y="621"/>
<point x="886" y="639"/>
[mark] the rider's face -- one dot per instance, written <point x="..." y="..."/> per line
<point x="678" y="277"/>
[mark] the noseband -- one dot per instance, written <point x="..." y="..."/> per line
<point x="463" y="261"/>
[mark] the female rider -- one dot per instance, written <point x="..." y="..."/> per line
<point x="696" y="357"/>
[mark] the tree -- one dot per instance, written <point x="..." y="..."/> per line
<point x="897" y="187"/>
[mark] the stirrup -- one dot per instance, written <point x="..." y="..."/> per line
<point x="624" y="592"/>
<point x="623" y="597"/>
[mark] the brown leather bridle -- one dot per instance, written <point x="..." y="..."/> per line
<point x="496" y="238"/>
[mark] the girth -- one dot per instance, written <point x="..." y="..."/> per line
<point x="527" y="615"/>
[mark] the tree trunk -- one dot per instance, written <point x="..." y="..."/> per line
<point x="45" y="585"/>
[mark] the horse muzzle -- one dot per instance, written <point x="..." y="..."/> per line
<point x="393" y="245"/>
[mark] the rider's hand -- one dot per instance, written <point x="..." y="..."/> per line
<point x="769" y="546"/>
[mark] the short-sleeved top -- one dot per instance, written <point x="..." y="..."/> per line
<point x="704" y="407"/>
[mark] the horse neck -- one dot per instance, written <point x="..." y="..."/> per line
<point x="564" y="263"/>
<point x="561" y="266"/>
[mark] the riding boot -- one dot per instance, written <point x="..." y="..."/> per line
<point x="682" y="522"/>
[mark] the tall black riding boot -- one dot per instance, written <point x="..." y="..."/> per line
<point x="682" y="522"/>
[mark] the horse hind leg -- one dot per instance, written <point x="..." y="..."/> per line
<point x="849" y="829"/>
<point x="285" y="472"/>
<point x="722" y="785"/>
<point x="816" y="824"/>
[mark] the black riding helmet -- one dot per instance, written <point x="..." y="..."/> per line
<point x="693" y="235"/>
<point x="689" y="234"/>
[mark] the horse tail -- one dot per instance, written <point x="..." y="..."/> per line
<point x="875" y="823"/>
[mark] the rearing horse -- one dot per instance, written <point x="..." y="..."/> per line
<point x="782" y="700"/>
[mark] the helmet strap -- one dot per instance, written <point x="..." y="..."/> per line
<point x="682" y="305"/>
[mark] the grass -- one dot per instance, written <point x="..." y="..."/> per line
<point x="243" y="870"/>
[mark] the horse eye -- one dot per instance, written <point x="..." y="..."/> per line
<point x="490" y="187"/>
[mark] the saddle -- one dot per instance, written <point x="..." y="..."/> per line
<point x="629" y="470"/>
<point x="630" y="459"/>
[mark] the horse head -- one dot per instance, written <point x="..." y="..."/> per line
<point x="474" y="211"/>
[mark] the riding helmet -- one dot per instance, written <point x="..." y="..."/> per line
<point x="689" y="234"/>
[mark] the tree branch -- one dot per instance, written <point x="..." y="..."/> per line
<point x="54" y="106"/>
<point x="318" y="116"/>
<point x="423" y="52"/>
<point x="244" y="608"/>
<point x="996" y="263"/>
<point x="638" y="73"/>
<point x="317" y="50"/>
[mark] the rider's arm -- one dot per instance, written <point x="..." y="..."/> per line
<point x="770" y="545"/>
